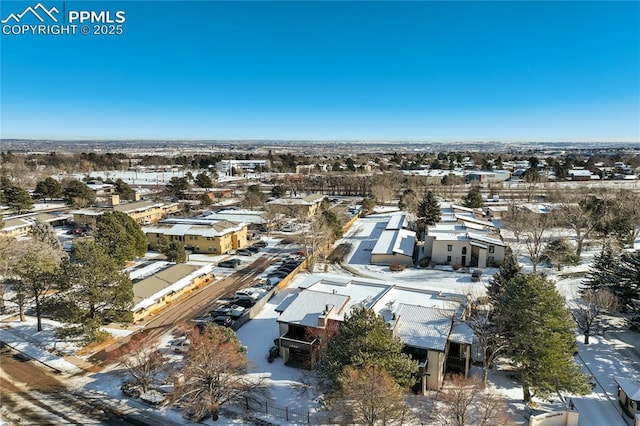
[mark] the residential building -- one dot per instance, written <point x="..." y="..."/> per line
<point x="162" y="282"/>
<point x="18" y="226"/>
<point x="629" y="395"/>
<point x="428" y="322"/>
<point x="395" y="244"/>
<point x="199" y="235"/>
<point x="297" y="206"/>
<point x="227" y="167"/>
<point x="463" y="239"/>
<point x="143" y="212"/>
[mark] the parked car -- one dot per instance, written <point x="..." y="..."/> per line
<point x="181" y="345"/>
<point x="253" y="249"/>
<point x="278" y="274"/>
<point x="234" y="311"/>
<point x="230" y="263"/>
<point x="245" y="302"/>
<point x="476" y="275"/>
<point x="247" y="293"/>
<point x="260" y="243"/>
<point x="244" y="252"/>
<point x="224" y="320"/>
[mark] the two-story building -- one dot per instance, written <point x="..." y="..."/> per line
<point x="297" y="206"/>
<point x="199" y="235"/>
<point x="461" y="238"/>
<point x="143" y="212"/>
<point x="427" y="322"/>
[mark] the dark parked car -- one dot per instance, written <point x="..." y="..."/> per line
<point x="245" y="302"/>
<point x="476" y="275"/>
<point x="231" y="263"/>
<point x="244" y="252"/>
<point x="223" y="320"/>
<point x="260" y="244"/>
<point x="253" y="249"/>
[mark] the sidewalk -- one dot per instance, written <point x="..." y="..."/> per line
<point x="32" y="349"/>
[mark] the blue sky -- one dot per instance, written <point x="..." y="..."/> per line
<point x="432" y="71"/>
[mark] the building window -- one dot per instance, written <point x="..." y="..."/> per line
<point x="448" y="258"/>
<point x="449" y="247"/>
<point x="464" y="250"/>
<point x="492" y="249"/>
<point x="491" y="260"/>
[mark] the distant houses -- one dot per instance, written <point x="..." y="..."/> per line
<point x="297" y="206"/>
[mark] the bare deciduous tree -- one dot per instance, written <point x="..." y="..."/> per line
<point x="370" y="397"/>
<point x="213" y="374"/>
<point x="590" y="307"/>
<point x="144" y="363"/>
<point x="491" y="341"/>
<point x="462" y="402"/>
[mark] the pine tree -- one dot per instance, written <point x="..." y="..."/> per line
<point x="603" y="271"/>
<point x="364" y="339"/>
<point x="428" y="212"/>
<point x="473" y="199"/>
<point x="48" y="188"/>
<point x="559" y="252"/>
<point x="540" y="334"/>
<point x="18" y="199"/>
<point x="628" y="290"/>
<point x="44" y="233"/>
<point x="175" y="252"/>
<point x="509" y="269"/>
<point x="121" y="236"/>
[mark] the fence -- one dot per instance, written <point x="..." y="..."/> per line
<point x="289" y="414"/>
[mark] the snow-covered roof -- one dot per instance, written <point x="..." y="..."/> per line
<point x="396" y="222"/>
<point x="630" y="386"/>
<point x="461" y="333"/>
<point x="87" y="212"/>
<point x="140" y="206"/>
<point x="473" y="219"/>
<point x="485" y="239"/>
<point x="423" y="327"/>
<point x="309" y="305"/>
<point x="304" y="201"/>
<point x="399" y="241"/>
<point x="170" y="280"/>
<point x="181" y="229"/>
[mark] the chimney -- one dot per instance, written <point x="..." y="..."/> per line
<point x="115" y="200"/>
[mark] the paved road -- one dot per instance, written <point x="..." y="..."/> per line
<point x="34" y="395"/>
<point x="196" y="304"/>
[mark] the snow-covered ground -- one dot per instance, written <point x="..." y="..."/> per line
<point x="614" y="353"/>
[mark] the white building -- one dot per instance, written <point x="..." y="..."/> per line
<point x="226" y="167"/>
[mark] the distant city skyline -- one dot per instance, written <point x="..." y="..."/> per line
<point x="336" y="71"/>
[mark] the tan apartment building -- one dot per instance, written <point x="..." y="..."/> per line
<point x="213" y="238"/>
<point x="161" y="288"/>
<point x="301" y="207"/>
<point x="143" y="212"/>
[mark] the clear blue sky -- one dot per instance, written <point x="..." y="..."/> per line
<point x="472" y="71"/>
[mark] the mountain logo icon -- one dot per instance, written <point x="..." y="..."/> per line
<point x="39" y="11"/>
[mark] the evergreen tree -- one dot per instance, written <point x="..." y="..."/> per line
<point x="203" y="180"/>
<point x="175" y="252"/>
<point x="603" y="271"/>
<point x="48" y="188"/>
<point x="540" y="334"/>
<point x="18" y="199"/>
<point x="628" y="290"/>
<point x="93" y="290"/>
<point x="428" y="212"/>
<point x="363" y="340"/>
<point x="177" y="186"/>
<point x="44" y="233"/>
<point x="123" y="189"/>
<point x="78" y="195"/>
<point x="559" y="252"/>
<point x="473" y="199"/>
<point x="121" y="236"/>
<point x="508" y="270"/>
